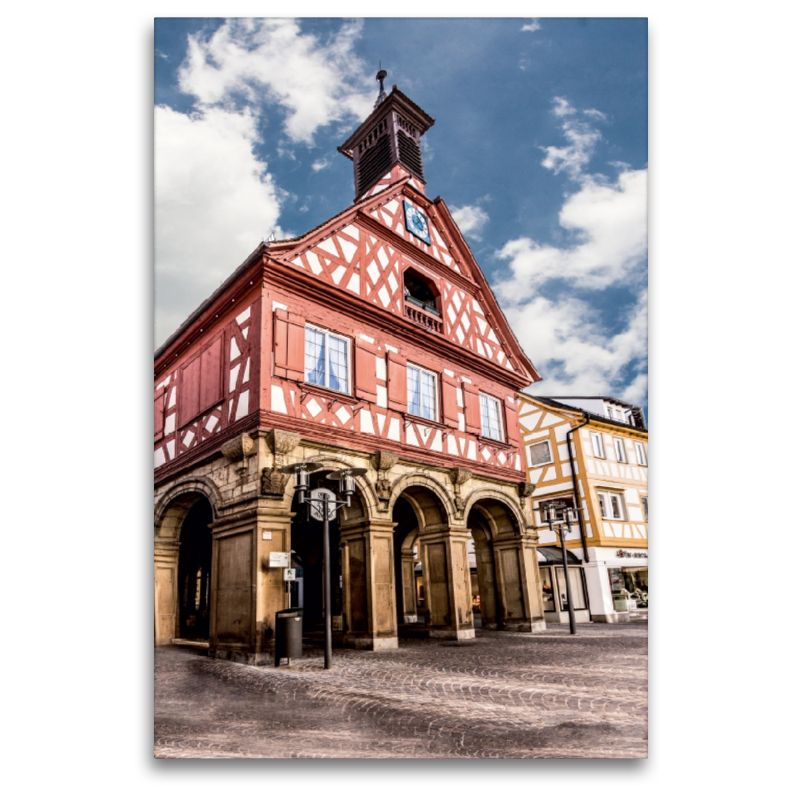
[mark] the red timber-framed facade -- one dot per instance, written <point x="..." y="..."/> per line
<point x="372" y="341"/>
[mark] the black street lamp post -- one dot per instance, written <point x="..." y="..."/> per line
<point x="558" y="515"/>
<point x="323" y="504"/>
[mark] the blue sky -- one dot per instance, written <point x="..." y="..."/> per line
<point x="539" y="149"/>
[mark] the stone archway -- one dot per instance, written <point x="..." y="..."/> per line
<point x="422" y="512"/>
<point x="506" y="562"/>
<point x="183" y="564"/>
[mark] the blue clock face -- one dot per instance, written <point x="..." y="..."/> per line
<point x="417" y="223"/>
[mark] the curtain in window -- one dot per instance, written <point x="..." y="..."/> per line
<point x="337" y="366"/>
<point x="315" y="357"/>
<point x="421" y="393"/>
<point x="490" y="417"/>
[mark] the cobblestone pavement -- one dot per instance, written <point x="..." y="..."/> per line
<point x="501" y="695"/>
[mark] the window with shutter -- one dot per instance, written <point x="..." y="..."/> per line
<point x="327" y="359"/>
<point x="289" y="345"/>
<point x="450" y="407"/>
<point x="421" y="393"/>
<point x="365" y="375"/>
<point x="491" y="426"/>
<point x="397" y="393"/>
<point x="472" y="409"/>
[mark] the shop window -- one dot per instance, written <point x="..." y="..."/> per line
<point x="619" y="449"/>
<point x="597" y="446"/>
<point x="612" y="505"/>
<point x="491" y="425"/>
<point x="641" y="455"/>
<point x="421" y="393"/>
<point x="548" y="598"/>
<point x="327" y="361"/>
<point x="575" y="587"/>
<point x="540" y="454"/>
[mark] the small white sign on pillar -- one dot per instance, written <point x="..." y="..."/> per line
<point x="279" y="559"/>
<point x="290" y="574"/>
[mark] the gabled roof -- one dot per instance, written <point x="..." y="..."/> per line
<point x="557" y="404"/>
<point x="286" y="251"/>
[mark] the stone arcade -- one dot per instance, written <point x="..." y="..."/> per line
<point x="372" y="341"/>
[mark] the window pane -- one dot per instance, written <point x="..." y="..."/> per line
<point x="413" y="391"/>
<point x="540" y="453"/>
<point x="603" y="505"/>
<point x="619" y="445"/>
<point x="490" y="417"/>
<point x="548" y="603"/>
<point x="315" y="356"/>
<point x="337" y="367"/>
<point x="428" y="392"/>
<point x="616" y="511"/>
<point x="597" y="446"/>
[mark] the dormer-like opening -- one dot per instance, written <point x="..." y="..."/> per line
<point x="421" y="292"/>
<point x="423" y="302"/>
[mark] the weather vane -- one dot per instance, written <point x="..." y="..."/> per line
<point x="379" y="77"/>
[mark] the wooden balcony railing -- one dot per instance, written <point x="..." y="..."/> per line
<point x="424" y="318"/>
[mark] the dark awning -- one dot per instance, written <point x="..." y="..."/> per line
<point x="552" y="555"/>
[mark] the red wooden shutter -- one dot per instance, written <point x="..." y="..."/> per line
<point x="450" y="400"/>
<point x="190" y="391"/>
<point x="366" y="387"/>
<point x="211" y="375"/>
<point x="512" y="422"/>
<point x="473" y="408"/>
<point x="398" y="382"/>
<point x="158" y="414"/>
<point x="290" y="338"/>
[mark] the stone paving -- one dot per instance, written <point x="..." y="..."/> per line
<point x="501" y="695"/>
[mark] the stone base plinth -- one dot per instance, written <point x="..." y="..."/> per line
<point x="464" y="633"/>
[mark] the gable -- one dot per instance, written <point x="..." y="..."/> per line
<point x="355" y="257"/>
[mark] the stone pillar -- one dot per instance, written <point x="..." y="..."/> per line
<point x="519" y="587"/>
<point x="370" y="608"/>
<point x="445" y="566"/>
<point x="409" y="595"/>
<point x="246" y="591"/>
<point x="166" y="591"/>
<point x="601" y="601"/>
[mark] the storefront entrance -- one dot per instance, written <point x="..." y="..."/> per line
<point x="194" y="573"/>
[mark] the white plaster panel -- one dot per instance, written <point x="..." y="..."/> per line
<point x="462" y="425"/>
<point x="171" y="449"/>
<point x="365" y="419"/>
<point x="384" y="297"/>
<point x="278" y="400"/>
<point x="382" y="399"/>
<point x="411" y="436"/>
<point x="234" y="374"/>
<point x="329" y="247"/>
<point x="459" y="397"/>
<point x="562" y="431"/>
<point x="343" y="414"/>
<point x="172" y="396"/>
<point x="338" y="274"/>
<point x="492" y="337"/>
<point x="392" y="281"/>
<point x="392" y="206"/>
<point x="394" y="429"/>
<point x="530" y="421"/>
<point x="348" y="248"/>
<point x="313" y="407"/>
<point x="436" y="444"/>
<point x="243" y="404"/>
<point x="353" y="232"/>
<point x="472" y="450"/>
<point x="245" y="315"/>
<point x="354" y="284"/>
<point x="479" y="346"/>
<point x="276" y="304"/>
<point x="382" y="257"/>
<point x="373" y="271"/>
<point x="235" y="352"/>
<point x="313" y="262"/>
<point x="452" y="446"/>
<point x="169" y="424"/>
<point x="158" y="457"/>
<point x="550" y="475"/>
<point x="550" y="419"/>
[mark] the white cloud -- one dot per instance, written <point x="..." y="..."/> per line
<point x="315" y="82"/>
<point x="320" y="163"/>
<point x="214" y="197"/>
<point x="470" y="220"/>
<point x="582" y="138"/>
<point x="610" y="222"/>
<point x="573" y="351"/>
<point x="533" y="25"/>
<point x="563" y="328"/>
<point x="214" y="203"/>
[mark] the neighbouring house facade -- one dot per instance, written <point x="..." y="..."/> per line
<point x="592" y="450"/>
<point x="372" y="341"/>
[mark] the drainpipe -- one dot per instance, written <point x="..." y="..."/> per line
<point x="581" y="527"/>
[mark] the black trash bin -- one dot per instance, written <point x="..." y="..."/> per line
<point x="288" y="634"/>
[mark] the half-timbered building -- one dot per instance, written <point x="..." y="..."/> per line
<point x="590" y="453"/>
<point x="372" y="341"/>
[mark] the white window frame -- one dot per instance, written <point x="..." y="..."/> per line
<point x="604" y="497"/>
<point x="641" y="454"/>
<point x="598" y="448"/>
<point x="435" y="417"/>
<point x="499" y="407"/>
<point x="619" y="450"/>
<point x="349" y="348"/>
<point x="549" y="453"/>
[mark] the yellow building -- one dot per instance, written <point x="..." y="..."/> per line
<point x="593" y="449"/>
